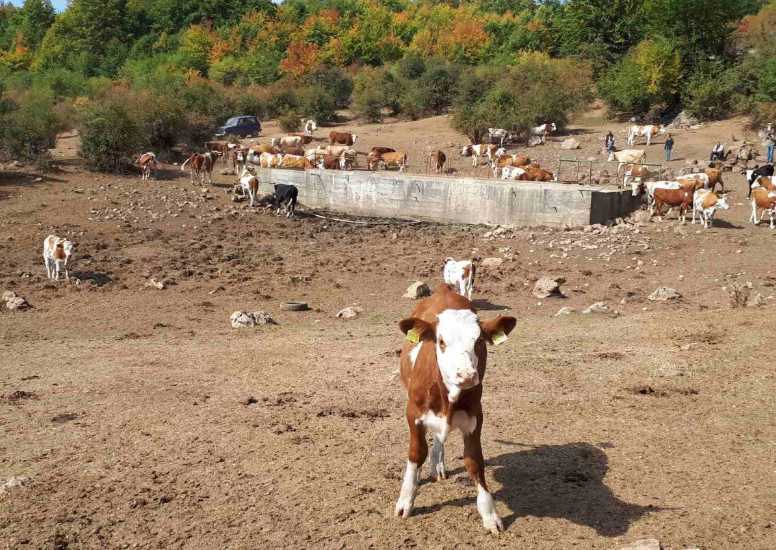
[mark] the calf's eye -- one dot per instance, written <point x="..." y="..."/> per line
<point x="442" y="345"/>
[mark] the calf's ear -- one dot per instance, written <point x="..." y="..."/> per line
<point x="496" y="330"/>
<point x="417" y="330"/>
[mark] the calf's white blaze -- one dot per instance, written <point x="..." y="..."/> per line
<point x="414" y="353"/>
<point x="459" y="330"/>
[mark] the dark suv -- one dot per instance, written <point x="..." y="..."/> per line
<point x="241" y="126"/>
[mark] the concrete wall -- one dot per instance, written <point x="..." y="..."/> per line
<point x="445" y="199"/>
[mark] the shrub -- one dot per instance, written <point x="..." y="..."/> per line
<point x="160" y="120"/>
<point x="109" y="135"/>
<point x="28" y="129"/>
<point x="710" y="96"/>
<point x="290" y="122"/>
<point x="315" y="102"/>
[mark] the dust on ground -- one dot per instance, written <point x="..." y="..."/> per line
<point x="143" y="420"/>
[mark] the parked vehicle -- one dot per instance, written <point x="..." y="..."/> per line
<point x="240" y="126"/>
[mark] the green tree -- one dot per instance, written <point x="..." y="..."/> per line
<point x="617" y="23"/>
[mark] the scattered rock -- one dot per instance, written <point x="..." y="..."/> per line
<point x="14" y="302"/>
<point x="643" y="544"/>
<point x="664" y="294"/>
<point x="569" y="144"/>
<point x="689" y="347"/>
<point x="16" y="482"/>
<point x="548" y="286"/>
<point x="350" y="312"/>
<point x="492" y="262"/>
<point x="757" y="301"/>
<point x="564" y="311"/>
<point x="417" y="290"/>
<point x="250" y="401"/>
<point x="641" y="216"/>
<point x="601" y="308"/>
<point x="243" y="319"/>
<point x="216" y="290"/>
<point x="739" y="294"/>
<point x="263" y="318"/>
<point x="154" y="283"/>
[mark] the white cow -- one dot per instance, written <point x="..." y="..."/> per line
<point x="460" y="273"/>
<point x="706" y="202"/>
<point x="513" y="173"/>
<point x="249" y="183"/>
<point x="644" y="131"/>
<point x="544" y="129"/>
<point x="309" y="127"/>
<point x="627" y="156"/>
<point x="56" y="252"/>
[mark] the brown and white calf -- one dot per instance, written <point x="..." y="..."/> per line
<point x="147" y="162"/>
<point x="286" y="141"/>
<point x="264" y="148"/>
<point x="239" y="159"/>
<point x="644" y="131"/>
<point x="344" y="138"/>
<point x="222" y="147"/>
<point x="672" y="197"/>
<point x="706" y="203"/>
<point x="56" y="252"/>
<point x="295" y="161"/>
<point x="544" y="129"/>
<point x="397" y="159"/>
<point x="309" y="127"/>
<point x="439" y="160"/>
<point x="382" y="150"/>
<point x="635" y="174"/>
<point x="202" y="164"/>
<point x="482" y="150"/>
<point x="330" y="162"/>
<point x="442" y="367"/>
<point x="502" y="161"/>
<point x="765" y="200"/>
<point x="461" y="274"/>
<point x="249" y="183"/>
<point x="514" y="173"/>
<point x="537" y="174"/>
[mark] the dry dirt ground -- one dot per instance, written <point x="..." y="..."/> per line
<point x="143" y="420"/>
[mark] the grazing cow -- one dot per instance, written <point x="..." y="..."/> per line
<point x="501" y="136"/>
<point x="202" y="165"/>
<point x="56" y="252"/>
<point x="672" y="197"/>
<point x="637" y="173"/>
<point x="340" y="150"/>
<point x="287" y="141"/>
<point x="544" y="130"/>
<point x="264" y="148"/>
<point x="644" y="131"/>
<point x="461" y="274"/>
<point x="627" y="156"/>
<point x="514" y="173"/>
<point x="309" y="127"/>
<point x="295" y="150"/>
<point x="397" y="159"/>
<point x="330" y="162"/>
<point x="714" y="176"/>
<point x="222" y="147"/>
<point x="758" y="172"/>
<point x="502" y="161"/>
<point x="382" y="150"/>
<point x="765" y="200"/>
<point x="305" y="139"/>
<point x="706" y="202"/>
<point x="439" y="159"/>
<point x="344" y="138"/>
<point x="695" y="176"/>
<point x="653" y="185"/>
<point x="286" y="194"/>
<point x="249" y="183"/>
<point x="443" y="362"/>
<point x="147" y="161"/>
<point x="481" y="150"/>
<point x="296" y="161"/>
<point x="537" y="174"/>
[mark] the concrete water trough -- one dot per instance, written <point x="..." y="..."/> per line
<point x="452" y="199"/>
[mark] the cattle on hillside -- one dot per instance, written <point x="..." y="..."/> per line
<point x="343" y="138"/>
<point x="644" y="131"/>
<point x="481" y="150"/>
<point x="56" y="253"/>
<point x="147" y="163"/>
<point x="202" y="165"/>
<point x="765" y="200"/>
<point x="706" y="203"/>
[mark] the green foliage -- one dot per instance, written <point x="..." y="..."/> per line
<point x="710" y="93"/>
<point x="109" y="136"/>
<point x="290" y="122"/>
<point x="28" y="128"/>
<point x="315" y="102"/>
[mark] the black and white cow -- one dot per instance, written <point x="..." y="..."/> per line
<point x="286" y="194"/>
<point x="765" y="171"/>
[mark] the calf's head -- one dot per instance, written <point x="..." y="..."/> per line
<point x="722" y="202"/>
<point x="458" y="335"/>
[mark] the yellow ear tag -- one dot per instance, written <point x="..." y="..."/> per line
<point x="499" y="337"/>
<point x="413" y="336"/>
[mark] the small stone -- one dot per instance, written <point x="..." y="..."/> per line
<point x="564" y="311"/>
<point x="664" y="294"/>
<point x="757" y="301"/>
<point x="601" y="308"/>
<point x="641" y="216"/>
<point x="643" y="544"/>
<point x="262" y="318"/>
<point x="492" y="262"/>
<point x="242" y="319"/>
<point x="688" y="347"/>
<point x="217" y="290"/>
<point x="350" y="312"/>
<point x="16" y="482"/>
<point x="154" y="283"/>
<point x="569" y="144"/>
<point x="417" y="290"/>
<point x="548" y="286"/>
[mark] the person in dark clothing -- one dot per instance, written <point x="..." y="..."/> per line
<point x="610" y="142"/>
<point x="669" y="146"/>
<point x="718" y="152"/>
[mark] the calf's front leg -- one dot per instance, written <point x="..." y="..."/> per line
<point x="416" y="456"/>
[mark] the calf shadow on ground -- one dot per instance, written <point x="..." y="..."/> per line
<point x="98" y="279"/>
<point x="486" y="305"/>
<point x="557" y="481"/>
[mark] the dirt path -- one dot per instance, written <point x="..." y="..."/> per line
<point x="143" y="420"/>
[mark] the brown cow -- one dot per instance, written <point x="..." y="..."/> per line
<point x="382" y="150"/>
<point x="330" y="162"/>
<point x="439" y="159"/>
<point x="706" y="203"/>
<point x="202" y="164"/>
<point x="715" y="177"/>
<point x="293" y="150"/>
<point x="265" y="148"/>
<point x="672" y="197"/>
<point x="517" y="161"/>
<point x="148" y="161"/>
<point x="372" y="160"/>
<point x="443" y="364"/>
<point x="344" y="138"/>
<point x="221" y="146"/>
<point x="397" y="159"/>
<point x="537" y="174"/>
<point x="296" y="161"/>
<point x="765" y="200"/>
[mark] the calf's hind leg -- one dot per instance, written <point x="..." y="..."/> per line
<point x="475" y="464"/>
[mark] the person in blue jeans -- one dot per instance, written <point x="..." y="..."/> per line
<point x="770" y="144"/>
<point x="669" y="146"/>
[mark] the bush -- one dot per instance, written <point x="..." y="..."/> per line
<point x="160" y="120"/>
<point x="710" y="96"/>
<point x="290" y="122"/>
<point x="109" y="135"/>
<point x="28" y="129"/>
<point x="315" y="102"/>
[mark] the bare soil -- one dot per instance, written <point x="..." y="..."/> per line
<point x="143" y="420"/>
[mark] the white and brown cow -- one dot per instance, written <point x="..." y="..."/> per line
<point x="396" y="159"/>
<point x="202" y="165"/>
<point x="481" y="150"/>
<point x="644" y="131"/>
<point x="442" y="367"/>
<point x="223" y="147"/>
<point x="287" y="141"/>
<point x="544" y="129"/>
<point x="461" y="274"/>
<point x="309" y="127"/>
<point x="765" y="200"/>
<point x="627" y="156"/>
<point x="249" y="183"/>
<point x="706" y="203"/>
<point x="147" y="162"/>
<point x="635" y="174"/>
<point x="56" y="252"/>
<point x="514" y="173"/>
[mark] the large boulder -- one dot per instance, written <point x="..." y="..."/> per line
<point x="664" y="294"/>
<point x="548" y="286"/>
<point x="569" y="144"/>
<point x="243" y="319"/>
<point x="417" y="290"/>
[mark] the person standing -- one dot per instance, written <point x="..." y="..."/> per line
<point x="610" y="141"/>
<point x="669" y="146"/>
<point x="770" y="144"/>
